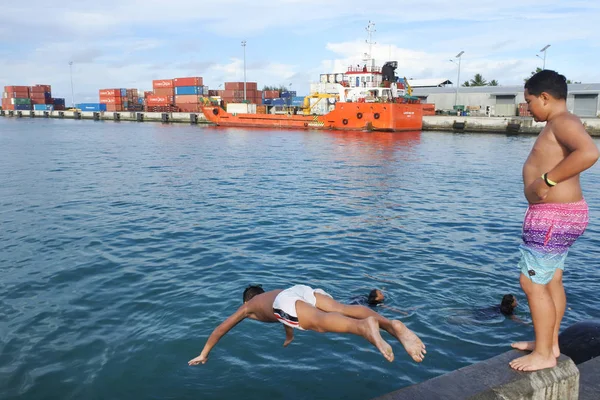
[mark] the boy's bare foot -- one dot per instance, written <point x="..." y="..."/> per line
<point x="533" y="362"/>
<point x="530" y="346"/>
<point x="371" y="333"/>
<point x="411" y="342"/>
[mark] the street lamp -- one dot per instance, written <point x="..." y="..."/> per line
<point x="543" y="58"/>
<point x="244" y="46"/>
<point x="72" y="92"/>
<point x="459" y="55"/>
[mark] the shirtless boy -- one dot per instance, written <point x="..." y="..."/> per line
<point x="557" y="214"/>
<point x="304" y="308"/>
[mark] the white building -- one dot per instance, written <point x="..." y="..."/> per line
<point x="582" y="99"/>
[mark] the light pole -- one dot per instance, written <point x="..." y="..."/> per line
<point x="244" y="46"/>
<point x="72" y="92"/>
<point x="459" y="55"/>
<point x="544" y="58"/>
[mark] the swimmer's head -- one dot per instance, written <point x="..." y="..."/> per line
<point x="251" y="291"/>
<point x="508" y="305"/>
<point x="375" y="297"/>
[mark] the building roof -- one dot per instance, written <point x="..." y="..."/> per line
<point x="435" y="82"/>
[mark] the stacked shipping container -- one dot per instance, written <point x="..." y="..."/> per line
<point x="113" y="98"/>
<point x="163" y="97"/>
<point x="189" y="93"/>
<point x="16" y="98"/>
<point x="38" y="97"/>
<point x="234" y="93"/>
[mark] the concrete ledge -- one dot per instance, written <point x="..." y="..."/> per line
<point x="493" y="379"/>
<point x="526" y="125"/>
<point x="589" y="381"/>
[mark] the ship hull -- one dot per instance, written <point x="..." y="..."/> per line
<point x="393" y="117"/>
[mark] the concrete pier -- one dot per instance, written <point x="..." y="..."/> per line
<point x="508" y="125"/>
<point x="505" y="125"/>
<point x="493" y="379"/>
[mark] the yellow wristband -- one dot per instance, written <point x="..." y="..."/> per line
<point x="548" y="181"/>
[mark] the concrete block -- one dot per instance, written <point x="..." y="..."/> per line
<point x="589" y="379"/>
<point x="493" y="379"/>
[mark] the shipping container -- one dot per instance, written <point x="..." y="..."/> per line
<point x="188" y="99"/>
<point x="21" y="101"/>
<point x="18" y="94"/>
<point x="91" y="106"/>
<point x="241" y="108"/>
<point x="288" y="94"/>
<point x="40" y="89"/>
<point x="23" y="107"/>
<point x="162" y="83"/>
<point x="164" y="92"/>
<point x="192" y="81"/>
<point x="186" y="90"/>
<point x="43" y="107"/>
<point x="110" y="92"/>
<point x="267" y="102"/>
<point x="16" y="89"/>
<point x="111" y="100"/>
<point x="158" y="100"/>
<point x="190" y="107"/>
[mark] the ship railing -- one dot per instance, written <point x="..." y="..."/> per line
<point x="364" y="69"/>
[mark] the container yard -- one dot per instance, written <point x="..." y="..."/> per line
<point x="26" y="98"/>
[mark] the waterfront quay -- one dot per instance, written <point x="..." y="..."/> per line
<point x="466" y="124"/>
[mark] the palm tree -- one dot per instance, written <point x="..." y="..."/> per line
<point x="493" y="82"/>
<point x="466" y="84"/>
<point x="538" y="69"/>
<point x="478" y="80"/>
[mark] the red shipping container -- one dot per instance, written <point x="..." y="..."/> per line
<point x="189" y="107"/>
<point x="16" y="89"/>
<point x="148" y="93"/>
<point x="158" y="100"/>
<point x="162" y="83"/>
<point x="110" y="92"/>
<point x="234" y="86"/>
<point x="17" y="95"/>
<point x="195" y="81"/>
<point x="114" y="107"/>
<point x="40" y="89"/>
<point x="187" y="99"/>
<point x="271" y="94"/>
<point x="110" y="100"/>
<point x="164" y="92"/>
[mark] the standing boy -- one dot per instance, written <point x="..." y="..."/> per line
<point x="557" y="214"/>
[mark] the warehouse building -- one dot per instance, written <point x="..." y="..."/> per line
<point x="504" y="100"/>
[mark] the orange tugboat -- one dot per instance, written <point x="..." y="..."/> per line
<point x="364" y="98"/>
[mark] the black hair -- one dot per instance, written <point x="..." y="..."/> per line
<point x="506" y="307"/>
<point x="547" y="81"/>
<point x="251" y="291"/>
<point x="372" y="299"/>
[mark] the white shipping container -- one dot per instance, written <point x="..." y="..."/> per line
<point x="241" y="108"/>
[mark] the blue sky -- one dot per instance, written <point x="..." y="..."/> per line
<point x="127" y="43"/>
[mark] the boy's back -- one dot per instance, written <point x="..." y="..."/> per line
<point x="260" y="307"/>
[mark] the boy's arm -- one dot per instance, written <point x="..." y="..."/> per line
<point x="570" y="133"/>
<point x="218" y="333"/>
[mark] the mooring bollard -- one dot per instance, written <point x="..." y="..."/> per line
<point x="139" y="117"/>
<point x="165" y="117"/>
<point x="117" y="116"/>
<point x="193" y="118"/>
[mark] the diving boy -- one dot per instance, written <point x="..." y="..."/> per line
<point x="557" y="214"/>
<point x="304" y="308"/>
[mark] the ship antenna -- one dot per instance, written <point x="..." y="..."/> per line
<point x="370" y="31"/>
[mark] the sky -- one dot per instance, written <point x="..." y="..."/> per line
<point x="128" y="43"/>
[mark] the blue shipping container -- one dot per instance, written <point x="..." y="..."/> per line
<point x="278" y="102"/>
<point x="267" y="102"/>
<point x="123" y="92"/>
<point x="288" y="94"/>
<point x="91" y="107"/>
<point x="43" y="107"/>
<point x="185" y="90"/>
<point x="47" y="95"/>
<point x="58" y="102"/>
<point x="22" y="107"/>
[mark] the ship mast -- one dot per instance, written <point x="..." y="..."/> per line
<point x="368" y="56"/>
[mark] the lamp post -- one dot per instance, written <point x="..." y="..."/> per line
<point x="244" y="46"/>
<point x="543" y="58"/>
<point x="72" y="92"/>
<point x="459" y="55"/>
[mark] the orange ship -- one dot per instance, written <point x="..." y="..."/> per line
<point x="345" y="116"/>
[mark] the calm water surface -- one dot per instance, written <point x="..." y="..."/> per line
<point x="123" y="245"/>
